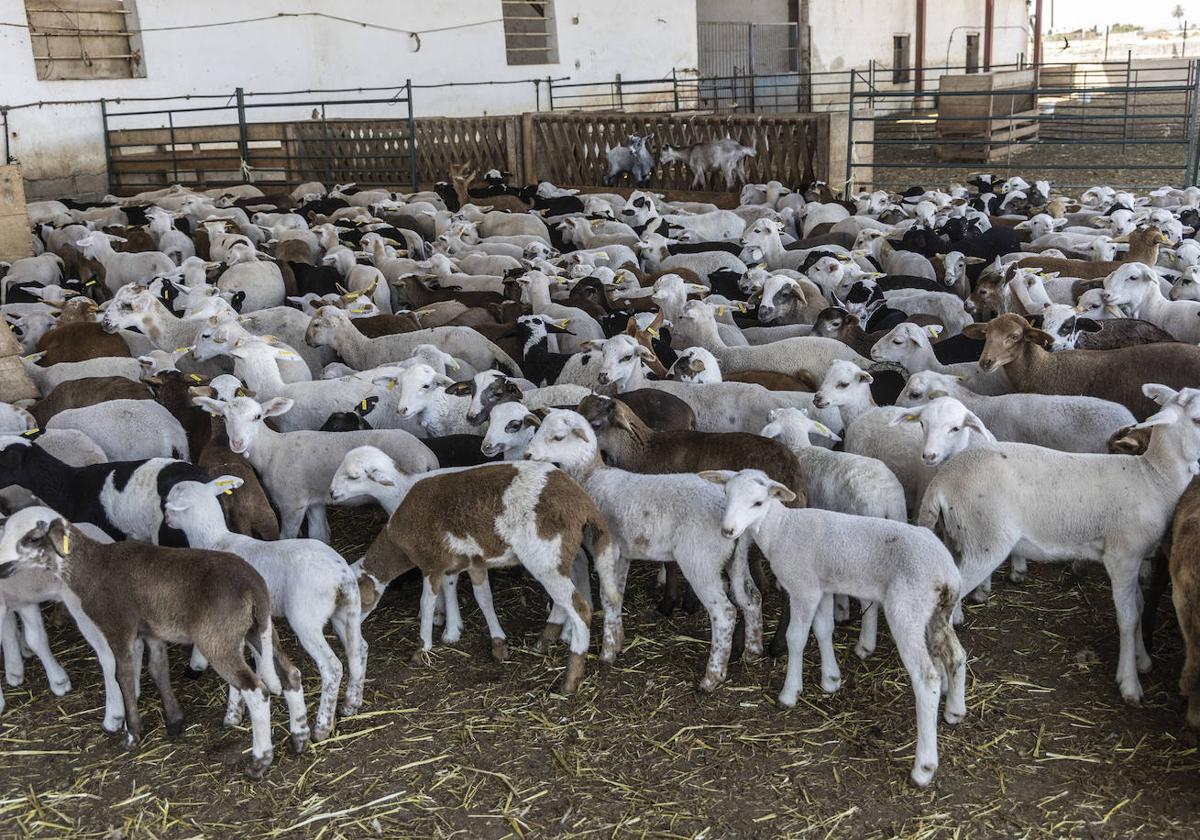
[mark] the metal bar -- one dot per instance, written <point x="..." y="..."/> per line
<point x="550" y="92"/>
<point x="1193" y="130"/>
<point x="174" y="164"/>
<point x="846" y="188"/>
<point x="4" y="128"/>
<point x="412" y="135"/>
<point x="243" y="148"/>
<point x="107" y="146"/>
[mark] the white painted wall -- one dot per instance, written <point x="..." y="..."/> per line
<point x="61" y="146"/>
<point x="850" y="33"/>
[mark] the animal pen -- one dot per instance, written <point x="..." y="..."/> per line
<point x="358" y="145"/>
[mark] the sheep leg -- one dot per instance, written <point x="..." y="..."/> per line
<point x="449" y="598"/>
<point x="309" y="629"/>
<point x="564" y="594"/>
<point x="1018" y="569"/>
<point x="910" y="644"/>
<point x="670" y="596"/>
<point x="35" y="636"/>
<point x="1186" y="597"/>
<point x="196" y="665"/>
<point x="138" y="650"/>
<point x="428" y="598"/>
<point x="611" y="569"/>
<point x="482" y="590"/>
<point x="803" y="610"/>
<point x="869" y="631"/>
<point x="123" y="653"/>
<point x="293" y="694"/>
<point x="348" y="626"/>
<point x="831" y="676"/>
<point x="318" y="524"/>
<point x="159" y="672"/>
<point x="290" y="520"/>
<point x="234" y="708"/>
<point x="14" y="665"/>
<point x="114" y="708"/>
<point x="722" y="616"/>
<point x="1160" y="579"/>
<point x="1123" y="575"/>
<point x="841" y="607"/>
<point x="261" y="753"/>
<point x="749" y="599"/>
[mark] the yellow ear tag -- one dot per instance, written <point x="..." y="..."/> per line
<point x="30" y="432"/>
<point x="563" y="323"/>
<point x="90" y="283"/>
<point x="363" y="405"/>
<point x="183" y="349"/>
<point x="391" y="384"/>
<point x="195" y="378"/>
<point x="912" y="418"/>
<point x="227" y="487"/>
<point x="741" y="307"/>
<point x="720" y="311"/>
<point x="653" y="333"/>
<point x="66" y="542"/>
<point x="823" y="429"/>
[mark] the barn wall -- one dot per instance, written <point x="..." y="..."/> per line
<point x="850" y="33"/>
<point x="61" y="147"/>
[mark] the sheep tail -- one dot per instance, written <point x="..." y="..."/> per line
<point x="940" y="639"/>
<point x="349" y="601"/>
<point x="266" y="654"/>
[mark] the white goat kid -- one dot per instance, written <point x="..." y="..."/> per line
<point x="815" y="553"/>
<point x="309" y="582"/>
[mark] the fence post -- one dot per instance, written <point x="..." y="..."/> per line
<point x="174" y="162"/>
<point x="675" y="89"/>
<point x="412" y="135"/>
<point x="1125" y="109"/>
<point x="108" y="145"/>
<point x="550" y="93"/>
<point x="1191" y="130"/>
<point x="620" y="93"/>
<point x="849" y="141"/>
<point x="871" y="82"/>
<point x="243" y="145"/>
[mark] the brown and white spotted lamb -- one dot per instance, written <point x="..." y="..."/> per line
<point x="495" y="516"/>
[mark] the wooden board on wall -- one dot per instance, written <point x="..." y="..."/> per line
<point x="15" y="242"/>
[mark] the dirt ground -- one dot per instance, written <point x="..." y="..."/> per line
<point x="472" y="748"/>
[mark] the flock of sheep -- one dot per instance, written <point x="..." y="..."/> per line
<point x="576" y="386"/>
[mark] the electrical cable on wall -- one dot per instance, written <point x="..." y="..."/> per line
<point x="414" y="34"/>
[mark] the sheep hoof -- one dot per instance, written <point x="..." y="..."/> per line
<point x="298" y="742"/>
<point x="60" y="687"/>
<point x="788" y="698"/>
<point x="551" y="633"/>
<point x="831" y="685"/>
<point x="1132" y="696"/>
<point x="922" y="774"/>
<point x="953" y="717"/>
<point x="710" y="682"/>
<point x="14" y="678"/>
<point x="193" y="673"/>
<point x="175" y="728"/>
<point x="351" y="707"/>
<point x="862" y="651"/>
<point x="132" y="740"/>
<point x="575" y="669"/>
<point x="257" y="768"/>
<point x="499" y="649"/>
<point x="113" y="725"/>
<point x="421" y="657"/>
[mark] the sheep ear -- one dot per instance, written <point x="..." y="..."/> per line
<point x="213" y="407"/>
<point x="277" y="406"/>
<point x="380" y="478"/>
<point x="907" y="417"/>
<point x="777" y="491"/>
<point x="531" y="421"/>
<point x="1161" y="394"/>
<point x="717" y="476"/>
<point x="973" y="422"/>
<point x="1043" y="339"/>
<point x="225" y="484"/>
<point x="459" y="389"/>
<point x="975" y="331"/>
<point x="863" y="376"/>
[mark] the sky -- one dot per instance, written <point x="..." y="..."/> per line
<point x="1152" y="14"/>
